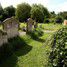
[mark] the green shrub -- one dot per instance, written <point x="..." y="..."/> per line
<point x="59" y="19"/>
<point x="58" y="56"/>
<point x="47" y="20"/>
<point x="36" y="33"/>
<point x="39" y="31"/>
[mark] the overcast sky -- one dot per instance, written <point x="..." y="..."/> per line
<point x="52" y="5"/>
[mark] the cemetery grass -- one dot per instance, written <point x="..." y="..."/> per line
<point x="51" y="26"/>
<point x="45" y="26"/>
<point x="35" y="53"/>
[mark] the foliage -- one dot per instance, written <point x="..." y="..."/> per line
<point x="9" y="12"/>
<point x="58" y="19"/>
<point x="59" y="48"/>
<point x="37" y="14"/>
<point x="36" y="33"/>
<point x="1" y="13"/>
<point x="63" y="14"/>
<point x="47" y="20"/>
<point x="6" y="12"/>
<point x="23" y="11"/>
<point x="45" y="11"/>
<point x="53" y="15"/>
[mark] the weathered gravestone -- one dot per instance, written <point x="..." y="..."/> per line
<point x="11" y="26"/>
<point x="3" y="37"/>
<point x="65" y="22"/>
<point x="29" y="24"/>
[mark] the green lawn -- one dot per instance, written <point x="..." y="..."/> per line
<point x="51" y="26"/>
<point x="35" y="53"/>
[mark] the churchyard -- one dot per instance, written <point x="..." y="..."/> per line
<point x="34" y="51"/>
<point x="32" y="36"/>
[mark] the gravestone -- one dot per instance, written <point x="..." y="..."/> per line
<point x="3" y="38"/>
<point x="11" y="26"/>
<point x="30" y="24"/>
<point x="65" y="22"/>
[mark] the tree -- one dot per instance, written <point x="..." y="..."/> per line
<point x="9" y="11"/>
<point x="63" y="14"/>
<point x="1" y="13"/>
<point x="59" y="19"/>
<point x="23" y="11"/>
<point x="45" y="11"/>
<point x="37" y="14"/>
<point x="53" y="14"/>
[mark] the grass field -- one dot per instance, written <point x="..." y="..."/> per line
<point x="35" y="53"/>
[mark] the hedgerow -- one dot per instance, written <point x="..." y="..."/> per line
<point x="58" y="55"/>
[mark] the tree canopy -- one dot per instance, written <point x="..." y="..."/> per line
<point x="63" y="14"/>
<point x="1" y="13"/>
<point x="9" y="11"/>
<point x="38" y="12"/>
<point x="23" y="11"/>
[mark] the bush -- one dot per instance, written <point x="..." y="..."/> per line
<point x="36" y="33"/>
<point x="59" y="19"/>
<point x="46" y="20"/>
<point x="58" y="55"/>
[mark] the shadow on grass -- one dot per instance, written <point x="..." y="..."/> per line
<point x="10" y="62"/>
<point x="18" y="48"/>
<point x="19" y="43"/>
<point x="36" y="37"/>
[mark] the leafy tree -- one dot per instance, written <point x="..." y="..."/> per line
<point x="37" y="14"/>
<point x="53" y="15"/>
<point x="63" y="14"/>
<point x="45" y="11"/>
<point x="9" y="11"/>
<point x="23" y="11"/>
<point x="59" y="19"/>
<point x="1" y="13"/>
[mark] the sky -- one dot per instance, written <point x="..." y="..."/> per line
<point x="51" y="5"/>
